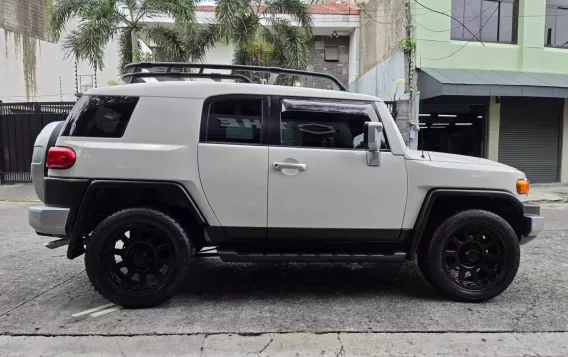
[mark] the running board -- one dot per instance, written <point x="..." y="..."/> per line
<point x="232" y="255"/>
<point x="57" y="243"/>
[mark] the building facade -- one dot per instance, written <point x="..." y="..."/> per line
<point x="34" y="69"/>
<point x="491" y="80"/>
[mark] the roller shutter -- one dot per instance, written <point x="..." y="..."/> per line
<point x="529" y="136"/>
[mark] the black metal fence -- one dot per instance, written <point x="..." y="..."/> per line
<point x="20" y="123"/>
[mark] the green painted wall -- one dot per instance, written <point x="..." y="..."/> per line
<point x="433" y="42"/>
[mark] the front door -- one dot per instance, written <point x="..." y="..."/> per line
<point x="320" y="185"/>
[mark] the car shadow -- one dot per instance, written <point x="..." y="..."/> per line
<point x="212" y="278"/>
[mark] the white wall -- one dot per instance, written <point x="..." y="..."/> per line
<point x="220" y="54"/>
<point x="50" y="65"/>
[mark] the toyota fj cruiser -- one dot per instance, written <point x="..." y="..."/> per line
<point x="142" y="177"/>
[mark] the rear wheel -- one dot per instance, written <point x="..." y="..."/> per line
<point x="138" y="257"/>
<point x="472" y="256"/>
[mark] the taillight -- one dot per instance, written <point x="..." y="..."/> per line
<point x="60" y="158"/>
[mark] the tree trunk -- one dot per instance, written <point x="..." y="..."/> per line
<point x="134" y="40"/>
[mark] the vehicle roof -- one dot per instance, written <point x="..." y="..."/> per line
<point x="201" y="89"/>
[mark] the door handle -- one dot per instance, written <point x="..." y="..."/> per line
<point x="289" y="165"/>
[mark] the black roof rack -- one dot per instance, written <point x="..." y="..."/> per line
<point x="185" y="70"/>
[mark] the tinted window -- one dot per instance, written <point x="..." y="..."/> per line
<point x="319" y="129"/>
<point x="100" y="116"/>
<point x="488" y="20"/>
<point x="236" y="121"/>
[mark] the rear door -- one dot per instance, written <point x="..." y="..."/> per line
<point x="233" y="163"/>
<point x="320" y="183"/>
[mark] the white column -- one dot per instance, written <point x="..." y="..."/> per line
<point x="494" y="124"/>
<point x="354" y="55"/>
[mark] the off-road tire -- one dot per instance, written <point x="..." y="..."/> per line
<point x="433" y="258"/>
<point x="172" y="232"/>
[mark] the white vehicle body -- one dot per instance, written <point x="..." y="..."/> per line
<point x="158" y="140"/>
<point x="283" y="177"/>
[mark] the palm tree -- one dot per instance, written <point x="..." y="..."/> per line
<point x="71" y="50"/>
<point x="102" y="20"/>
<point x="271" y="32"/>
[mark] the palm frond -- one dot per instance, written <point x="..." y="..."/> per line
<point x="59" y="14"/>
<point x="291" y="44"/>
<point x="92" y="37"/>
<point x="170" y="45"/>
<point x="205" y="38"/>
<point x="297" y="9"/>
<point x="227" y="15"/>
<point x="240" y="56"/>
<point x="183" y="11"/>
<point x="245" y="28"/>
<point x="70" y="46"/>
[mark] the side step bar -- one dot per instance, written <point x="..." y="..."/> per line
<point x="232" y="255"/>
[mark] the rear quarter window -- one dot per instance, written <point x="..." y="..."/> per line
<point x="100" y="116"/>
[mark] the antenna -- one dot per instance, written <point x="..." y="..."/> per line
<point x="421" y="138"/>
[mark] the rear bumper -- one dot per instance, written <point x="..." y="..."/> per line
<point x="48" y="220"/>
<point x="533" y="222"/>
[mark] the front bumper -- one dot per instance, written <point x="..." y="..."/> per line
<point x="48" y="220"/>
<point x="533" y="222"/>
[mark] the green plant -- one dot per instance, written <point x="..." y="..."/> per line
<point x="259" y="33"/>
<point x="101" y="20"/>
<point x="407" y="44"/>
<point x="114" y="82"/>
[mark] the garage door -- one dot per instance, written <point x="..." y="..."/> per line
<point x="529" y="136"/>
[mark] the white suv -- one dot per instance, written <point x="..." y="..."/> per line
<point x="142" y="177"/>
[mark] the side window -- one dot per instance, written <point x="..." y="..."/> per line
<point x="100" y="116"/>
<point x="319" y="127"/>
<point x="236" y="121"/>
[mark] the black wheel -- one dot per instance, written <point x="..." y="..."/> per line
<point x="138" y="257"/>
<point x="472" y="256"/>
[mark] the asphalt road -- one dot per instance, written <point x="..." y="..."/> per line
<point x="40" y="290"/>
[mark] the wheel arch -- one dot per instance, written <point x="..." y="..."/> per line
<point x="440" y="203"/>
<point x="104" y="197"/>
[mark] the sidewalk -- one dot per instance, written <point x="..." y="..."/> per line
<point x="292" y="344"/>
<point x="549" y="192"/>
<point x="24" y="192"/>
<point x="19" y="192"/>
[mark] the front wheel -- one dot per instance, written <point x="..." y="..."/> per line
<point x="138" y="257"/>
<point x="472" y="256"/>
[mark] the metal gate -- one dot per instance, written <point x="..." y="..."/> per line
<point x="20" y="123"/>
<point x="529" y="136"/>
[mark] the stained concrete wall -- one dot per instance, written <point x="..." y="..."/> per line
<point x="383" y="25"/>
<point x="50" y="65"/>
<point x="24" y="17"/>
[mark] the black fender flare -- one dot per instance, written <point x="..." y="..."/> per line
<point x="434" y="194"/>
<point x="78" y="215"/>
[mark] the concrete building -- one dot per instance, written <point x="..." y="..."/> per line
<point x="32" y="68"/>
<point x="492" y="81"/>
